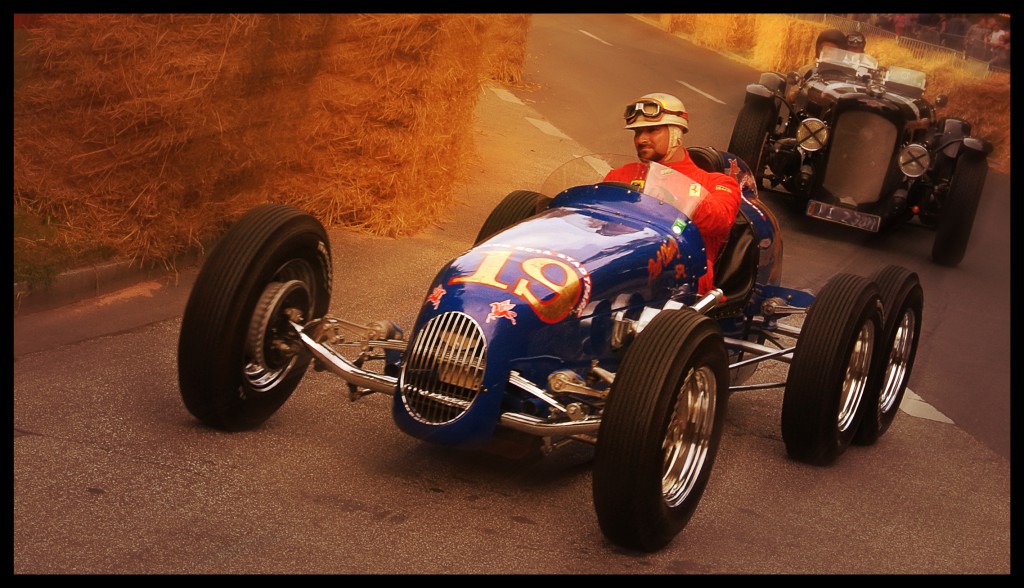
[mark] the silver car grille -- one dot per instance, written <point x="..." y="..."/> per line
<point x="444" y="370"/>
<point x="861" y="152"/>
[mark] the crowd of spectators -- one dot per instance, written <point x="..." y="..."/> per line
<point x="985" y="37"/>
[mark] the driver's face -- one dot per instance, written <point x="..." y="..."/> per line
<point x="651" y="142"/>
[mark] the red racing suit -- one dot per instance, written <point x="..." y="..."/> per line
<point x="714" y="215"/>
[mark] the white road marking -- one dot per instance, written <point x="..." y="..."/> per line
<point x="506" y="95"/>
<point x="705" y="94"/>
<point x="594" y="38"/>
<point x="548" y="128"/>
<point x="914" y="405"/>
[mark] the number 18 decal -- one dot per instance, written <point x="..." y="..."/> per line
<point x="552" y="284"/>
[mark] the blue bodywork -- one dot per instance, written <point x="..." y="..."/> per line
<point x="544" y="291"/>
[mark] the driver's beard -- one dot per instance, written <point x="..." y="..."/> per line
<point x="675" y="143"/>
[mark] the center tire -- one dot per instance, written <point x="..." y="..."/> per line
<point x="832" y="369"/>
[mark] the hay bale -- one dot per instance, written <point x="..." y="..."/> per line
<point x="152" y="133"/>
<point x="789" y="47"/>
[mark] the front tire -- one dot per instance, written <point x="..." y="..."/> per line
<point x="238" y="357"/>
<point x="957" y="216"/>
<point x="750" y="135"/>
<point x="831" y="369"/>
<point x="660" y="430"/>
<point x="517" y="206"/>
<point x="903" y="303"/>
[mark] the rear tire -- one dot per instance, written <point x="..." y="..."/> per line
<point x="238" y="357"/>
<point x="517" y="206"/>
<point x="956" y="219"/>
<point x="831" y="369"/>
<point x="903" y="303"/>
<point x="660" y="430"/>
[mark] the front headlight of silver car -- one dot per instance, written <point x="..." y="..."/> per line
<point x="812" y="134"/>
<point x="914" y="160"/>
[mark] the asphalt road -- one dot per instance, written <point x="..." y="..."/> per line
<point x="113" y="476"/>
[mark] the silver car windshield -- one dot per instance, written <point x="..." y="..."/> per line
<point x="847" y="59"/>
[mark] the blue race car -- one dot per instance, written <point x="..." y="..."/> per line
<point x="574" y="318"/>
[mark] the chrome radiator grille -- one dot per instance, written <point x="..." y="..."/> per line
<point x="859" y="158"/>
<point x="444" y="370"/>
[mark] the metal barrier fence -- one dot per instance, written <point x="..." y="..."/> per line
<point x="920" y="49"/>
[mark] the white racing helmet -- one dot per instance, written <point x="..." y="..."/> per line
<point x="656" y="109"/>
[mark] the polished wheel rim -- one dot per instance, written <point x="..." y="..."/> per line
<point x="272" y="347"/>
<point x="856" y="375"/>
<point x="688" y="437"/>
<point x="899" y="359"/>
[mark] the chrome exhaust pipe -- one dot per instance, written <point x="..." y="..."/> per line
<point x="536" y="426"/>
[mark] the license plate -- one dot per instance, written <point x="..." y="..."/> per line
<point x="844" y="216"/>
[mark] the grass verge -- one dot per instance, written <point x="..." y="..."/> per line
<point x="39" y="256"/>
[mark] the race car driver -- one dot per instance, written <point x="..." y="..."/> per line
<point x="658" y="122"/>
<point x="855" y="42"/>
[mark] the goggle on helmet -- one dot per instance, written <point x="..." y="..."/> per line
<point x="656" y="109"/>
<point x="855" y="42"/>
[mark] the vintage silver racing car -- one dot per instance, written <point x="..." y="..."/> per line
<point x="859" y="145"/>
<point x="573" y="318"/>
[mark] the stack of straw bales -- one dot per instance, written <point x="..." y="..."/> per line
<point x="150" y="134"/>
